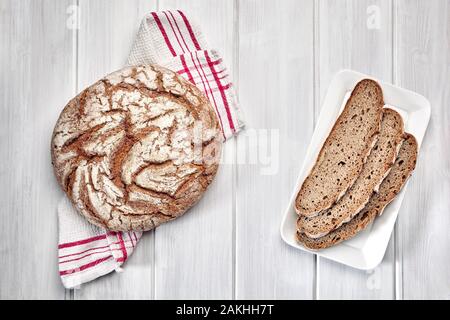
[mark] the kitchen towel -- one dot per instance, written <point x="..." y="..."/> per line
<point x="170" y="39"/>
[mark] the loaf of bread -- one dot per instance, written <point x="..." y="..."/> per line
<point x="374" y="171"/>
<point x="137" y="148"/>
<point x="344" y="152"/>
<point x="389" y="188"/>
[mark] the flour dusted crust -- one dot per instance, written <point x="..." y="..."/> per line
<point x="137" y="148"/>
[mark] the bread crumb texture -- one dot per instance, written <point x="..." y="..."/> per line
<point x="378" y="164"/>
<point x="344" y="152"/>
<point x="389" y="188"/>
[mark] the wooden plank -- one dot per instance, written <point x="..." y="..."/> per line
<point x="276" y="93"/>
<point x="106" y="33"/>
<point x="423" y="65"/>
<point x="194" y="253"/>
<point x="36" y="81"/>
<point x="357" y="35"/>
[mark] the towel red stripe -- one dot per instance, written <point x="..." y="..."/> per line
<point x="92" y="253"/>
<point x="122" y="245"/>
<point x="132" y="241"/>
<point x="204" y="65"/>
<point x="179" y="31"/>
<point x="212" y="95"/>
<point x="191" y="33"/>
<point x="95" y="248"/>
<point x="186" y="69"/>
<point x="222" y="92"/>
<point x="201" y="78"/>
<point x="77" y="243"/>
<point x="84" y="267"/>
<point x="173" y="30"/>
<point x="164" y="34"/>
<point x="86" y="255"/>
<point x="81" y="252"/>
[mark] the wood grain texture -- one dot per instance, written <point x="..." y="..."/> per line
<point x="105" y="36"/>
<point x="194" y="253"/>
<point x="36" y="80"/>
<point x="423" y="65"/>
<point x="276" y="93"/>
<point x="346" y="41"/>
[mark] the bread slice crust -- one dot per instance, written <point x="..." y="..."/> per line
<point x="374" y="171"/>
<point x="344" y="152"/>
<point x="389" y="188"/>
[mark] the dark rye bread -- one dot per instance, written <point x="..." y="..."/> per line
<point x="344" y="152"/>
<point x="389" y="188"/>
<point x="376" y="168"/>
<point x="136" y="149"/>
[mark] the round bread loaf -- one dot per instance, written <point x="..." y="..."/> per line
<point x="137" y="148"/>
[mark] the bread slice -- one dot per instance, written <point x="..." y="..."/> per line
<point x="395" y="180"/>
<point x="344" y="152"/>
<point x="374" y="171"/>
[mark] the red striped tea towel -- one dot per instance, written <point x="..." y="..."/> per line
<point x="170" y="39"/>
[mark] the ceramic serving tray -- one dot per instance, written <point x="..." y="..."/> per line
<point x="366" y="250"/>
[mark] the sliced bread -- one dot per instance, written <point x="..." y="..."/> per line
<point x="395" y="180"/>
<point x="374" y="171"/>
<point x="344" y="152"/>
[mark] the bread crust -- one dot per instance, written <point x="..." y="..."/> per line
<point x="304" y="204"/>
<point x="374" y="171"/>
<point x="137" y="148"/>
<point x="389" y="188"/>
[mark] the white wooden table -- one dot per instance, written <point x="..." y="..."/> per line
<point x="282" y="55"/>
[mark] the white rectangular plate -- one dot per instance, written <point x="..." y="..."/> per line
<point x="366" y="250"/>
